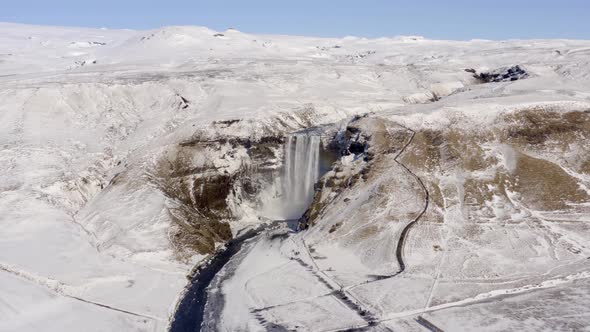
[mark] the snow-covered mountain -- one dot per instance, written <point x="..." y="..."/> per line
<point x="459" y="198"/>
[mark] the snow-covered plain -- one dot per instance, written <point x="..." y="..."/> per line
<point x="85" y="236"/>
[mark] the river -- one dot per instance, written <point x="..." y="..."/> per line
<point x="190" y="312"/>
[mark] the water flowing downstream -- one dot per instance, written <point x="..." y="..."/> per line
<point x="302" y="170"/>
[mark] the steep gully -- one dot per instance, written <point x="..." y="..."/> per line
<point x="189" y="314"/>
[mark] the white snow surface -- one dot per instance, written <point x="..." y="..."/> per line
<point x="81" y="106"/>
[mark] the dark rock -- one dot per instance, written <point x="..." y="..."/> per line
<point x="356" y="148"/>
<point x="227" y="123"/>
<point x="502" y="75"/>
<point x="352" y="130"/>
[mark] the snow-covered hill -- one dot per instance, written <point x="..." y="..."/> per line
<point x="104" y="132"/>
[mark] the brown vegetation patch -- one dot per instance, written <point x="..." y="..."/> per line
<point x="367" y="232"/>
<point x="478" y="192"/>
<point x="585" y="167"/>
<point x="536" y="126"/>
<point x="312" y="214"/>
<point x="434" y="214"/>
<point x="466" y="147"/>
<point x="436" y="197"/>
<point x="424" y="153"/>
<point x="545" y="185"/>
<point x="433" y="150"/>
<point x="379" y="137"/>
<point x="194" y="234"/>
<point x="199" y="209"/>
<point x="479" y="195"/>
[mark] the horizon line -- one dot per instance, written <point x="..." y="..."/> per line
<point x="421" y="36"/>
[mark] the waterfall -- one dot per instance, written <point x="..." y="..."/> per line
<point x="302" y="169"/>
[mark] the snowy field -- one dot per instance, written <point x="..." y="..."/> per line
<point x="85" y="237"/>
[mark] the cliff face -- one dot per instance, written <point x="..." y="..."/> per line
<point x="209" y="183"/>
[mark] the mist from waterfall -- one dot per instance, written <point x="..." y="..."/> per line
<point x="302" y="169"/>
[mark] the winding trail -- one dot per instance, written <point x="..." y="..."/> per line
<point x="399" y="251"/>
<point x="402" y="239"/>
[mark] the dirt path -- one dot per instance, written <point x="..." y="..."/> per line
<point x="402" y="239"/>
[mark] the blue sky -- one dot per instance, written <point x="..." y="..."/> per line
<point x="450" y="19"/>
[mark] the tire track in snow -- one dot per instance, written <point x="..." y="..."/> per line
<point x="341" y="293"/>
<point x="59" y="288"/>
<point x="491" y="295"/>
<point x="483" y="297"/>
<point x="427" y="324"/>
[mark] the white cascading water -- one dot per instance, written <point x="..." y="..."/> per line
<point x="302" y="169"/>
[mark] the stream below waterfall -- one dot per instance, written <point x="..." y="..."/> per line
<point x="190" y="313"/>
<point x="191" y="309"/>
<point x="303" y="166"/>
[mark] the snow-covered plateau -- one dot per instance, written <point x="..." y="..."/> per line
<point x="453" y="195"/>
